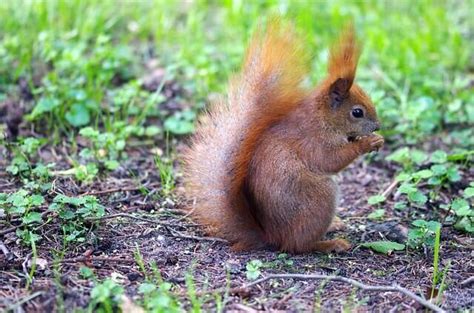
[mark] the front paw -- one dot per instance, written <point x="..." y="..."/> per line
<point x="370" y="143"/>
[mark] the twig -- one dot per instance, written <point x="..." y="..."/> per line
<point x="390" y="189"/>
<point x="186" y="215"/>
<point x="243" y="308"/>
<point x="468" y="281"/>
<point x="6" y="185"/>
<point x="101" y="192"/>
<point x="111" y="216"/>
<point x="106" y="217"/>
<point x="393" y="288"/>
<point x="5" y="251"/>
<point x="13" y="228"/>
<point x="284" y="299"/>
<point x="14" y="306"/>
<point x="176" y="233"/>
<point x="97" y="259"/>
<point x="8" y="230"/>
<point x="24" y="266"/>
<point x="176" y="211"/>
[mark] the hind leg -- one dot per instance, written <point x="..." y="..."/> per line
<point x="293" y="205"/>
<point x="315" y="197"/>
<point x="334" y="245"/>
<point x="312" y="240"/>
<point x="336" y="225"/>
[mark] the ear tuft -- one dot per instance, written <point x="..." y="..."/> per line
<point x="344" y="56"/>
<point x="338" y="91"/>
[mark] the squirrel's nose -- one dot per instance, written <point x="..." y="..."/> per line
<point x="376" y="126"/>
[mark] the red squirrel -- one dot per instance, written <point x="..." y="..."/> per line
<point x="259" y="169"/>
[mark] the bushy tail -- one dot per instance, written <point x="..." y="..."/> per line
<point x="216" y="164"/>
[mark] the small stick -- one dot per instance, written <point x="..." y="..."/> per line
<point x="5" y="251"/>
<point x="176" y="211"/>
<point x="97" y="259"/>
<point x="101" y="192"/>
<point x="176" y="233"/>
<point x="390" y="189"/>
<point x="8" y="230"/>
<point x="110" y="216"/>
<point x="24" y="265"/>
<point x="284" y="299"/>
<point x="186" y="215"/>
<point x="243" y="308"/>
<point x="138" y="218"/>
<point x="393" y="288"/>
<point x="468" y="281"/>
<point x="15" y="306"/>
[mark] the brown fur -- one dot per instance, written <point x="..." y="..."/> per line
<point x="344" y="56"/>
<point x="259" y="169"/>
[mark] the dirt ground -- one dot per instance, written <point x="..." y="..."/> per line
<point x="164" y="234"/>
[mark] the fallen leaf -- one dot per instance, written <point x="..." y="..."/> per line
<point x="385" y="247"/>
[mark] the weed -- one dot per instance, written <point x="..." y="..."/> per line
<point x="463" y="215"/>
<point x="439" y="171"/>
<point x="156" y="293"/>
<point x="442" y="284"/>
<point x="77" y="215"/>
<point x="106" y="297"/>
<point x="376" y="200"/>
<point x="139" y="260"/>
<point x="181" y="122"/>
<point x="85" y="173"/>
<point x="164" y="164"/>
<point x="435" y="260"/>
<point x="196" y="302"/>
<point x="221" y="300"/>
<point x="318" y="296"/>
<point x="86" y="272"/>
<point x="57" y="281"/>
<point x="423" y="233"/>
<point x="253" y="269"/>
<point x="31" y="273"/>
<point x="24" y="153"/>
<point x="158" y="298"/>
<point x="23" y="205"/>
<point x="352" y="303"/>
<point x="437" y="276"/>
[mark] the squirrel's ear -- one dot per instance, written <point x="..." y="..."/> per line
<point x="338" y="91"/>
<point x="343" y="64"/>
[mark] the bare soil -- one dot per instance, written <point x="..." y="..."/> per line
<point x="161" y="230"/>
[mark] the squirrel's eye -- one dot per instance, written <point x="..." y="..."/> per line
<point x="357" y="113"/>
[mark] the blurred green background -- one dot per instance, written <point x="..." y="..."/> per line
<point x="82" y="59"/>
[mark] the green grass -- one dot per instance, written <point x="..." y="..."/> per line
<point x="413" y="64"/>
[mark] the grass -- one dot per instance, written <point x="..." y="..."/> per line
<point x="77" y="72"/>
<point x="96" y="43"/>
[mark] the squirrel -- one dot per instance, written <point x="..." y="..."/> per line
<point x="259" y="168"/>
